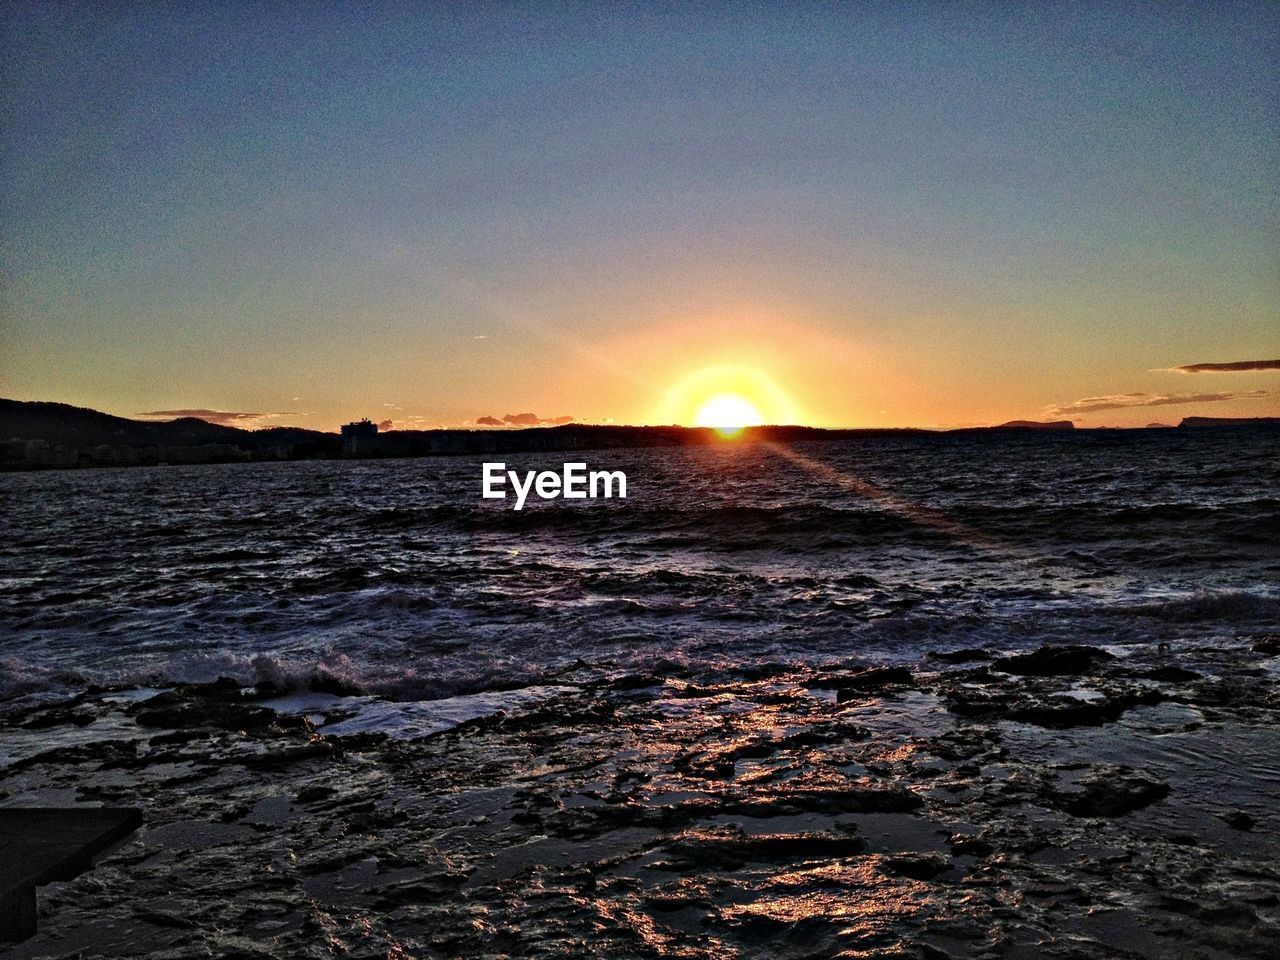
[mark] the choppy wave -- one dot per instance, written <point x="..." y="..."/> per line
<point x="395" y="578"/>
<point x="1231" y="607"/>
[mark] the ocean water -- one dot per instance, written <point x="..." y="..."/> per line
<point x="394" y="577"/>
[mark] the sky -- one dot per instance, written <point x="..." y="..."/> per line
<point x="873" y="215"/>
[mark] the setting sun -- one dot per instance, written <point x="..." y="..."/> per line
<point x="727" y="397"/>
<point x="728" y="413"/>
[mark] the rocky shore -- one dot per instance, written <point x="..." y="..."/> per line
<point x="1066" y="802"/>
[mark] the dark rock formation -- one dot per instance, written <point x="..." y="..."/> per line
<point x="1110" y="792"/>
<point x="1054" y="661"/>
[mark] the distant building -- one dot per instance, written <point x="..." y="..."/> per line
<point x="359" y="437"/>
<point x="39" y="453"/>
<point x="360" y="428"/>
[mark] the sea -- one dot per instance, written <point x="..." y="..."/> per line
<point x="394" y="578"/>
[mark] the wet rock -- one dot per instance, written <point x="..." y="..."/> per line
<point x="1054" y="661"/>
<point x="585" y="826"/>
<point x="57" y="717"/>
<point x="160" y="918"/>
<point x="978" y="704"/>
<point x="428" y="889"/>
<point x="766" y="670"/>
<point x="966" y="655"/>
<point x="177" y="738"/>
<point x="333" y="684"/>
<point x="1218" y="913"/>
<point x="215" y="706"/>
<point x="1063" y="713"/>
<point x="873" y="679"/>
<point x="1237" y="819"/>
<point x="670" y="668"/>
<point x="635" y="681"/>
<point x="1232" y="692"/>
<point x="728" y="847"/>
<point x="964" y="845"/>
<point x="1110" y="792"/>
<point x="316" y="750"/>
<point x="372" y="820"/>
<point x="831" y="733"/>
<point x="1269" y="644"/>
<point x="357" y="742"/>
<point x="216" y="715"/>
<point x="266" y="689"/>
<point x="671" y="902"/>
<point x="224" y="688"/>
<point x="967" y="744"/>
<point x="1168" y="674"/>
<point x="832" y="800"/>
<point x="915" y="866"/>
<point x="315" y="792"/>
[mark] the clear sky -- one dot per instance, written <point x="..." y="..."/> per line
<point x="862" y="215"/>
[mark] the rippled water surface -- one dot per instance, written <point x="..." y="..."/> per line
<point x="396" y="577"/>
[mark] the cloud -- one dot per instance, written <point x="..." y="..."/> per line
<point x="224" y="418"/>
<point x="1123" y="401"/>
<point x="522" y="420"/>
<point x="1239" y="366"/>
<point x="410" y="422"/>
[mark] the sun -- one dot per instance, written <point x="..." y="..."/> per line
<point x="727" y="397"/>
<point x="728" y="413"/>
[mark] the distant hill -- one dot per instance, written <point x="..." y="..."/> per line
<point x="36" y="435"/>
<point x="80" y="426"/>
<point x="1035" y="425"/>
<point x="61" y="423"/>
<point x="1230" y="422"/>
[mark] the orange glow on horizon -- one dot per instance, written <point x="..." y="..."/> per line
<point x="727" y="398"/>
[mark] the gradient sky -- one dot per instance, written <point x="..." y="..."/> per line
<point x="932" y="215"/>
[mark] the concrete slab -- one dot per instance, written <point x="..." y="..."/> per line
<point x="41" y="844"/>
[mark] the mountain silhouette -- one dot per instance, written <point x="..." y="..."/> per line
<point x="80" y="428"/>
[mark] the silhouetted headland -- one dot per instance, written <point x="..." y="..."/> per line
<point x="1228" y="421"/>
<point x="1036" y="425"/>
<point x="42" y="435"/>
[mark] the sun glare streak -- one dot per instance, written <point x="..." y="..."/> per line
<point x="926" y="517"/>
<point x="499" y="314"/>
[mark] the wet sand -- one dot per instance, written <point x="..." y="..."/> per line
<point x="1065" y="803"/>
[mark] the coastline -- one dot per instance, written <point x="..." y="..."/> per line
<point x="1067" y="802"/>
<point x="40" y="436"/>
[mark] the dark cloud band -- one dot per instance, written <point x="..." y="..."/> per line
<point x="1125" y="401"/>
<point x="522" y="420"/>
<point x="226" y="418"/>
<point x="1240" y="366"/>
